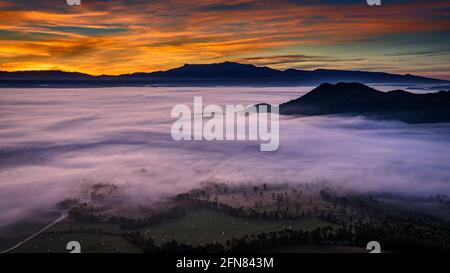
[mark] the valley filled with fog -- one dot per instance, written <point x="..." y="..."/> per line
<point x="56" y="143"/>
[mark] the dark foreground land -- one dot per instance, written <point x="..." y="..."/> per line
<point x="217" y="218"/>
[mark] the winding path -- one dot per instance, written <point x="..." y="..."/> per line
<point x="64" y="214"/>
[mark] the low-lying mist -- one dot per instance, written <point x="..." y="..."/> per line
<point x="55" y="143"/>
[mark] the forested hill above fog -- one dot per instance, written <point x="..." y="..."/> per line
<point x="359" y="99"/>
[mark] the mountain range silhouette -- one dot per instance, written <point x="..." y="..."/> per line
<point x="227" y="73"/>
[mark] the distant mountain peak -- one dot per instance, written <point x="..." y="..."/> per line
<point x="224" y="70"/>
<point x="223" y="64"/>
<point x="344" y="87"/>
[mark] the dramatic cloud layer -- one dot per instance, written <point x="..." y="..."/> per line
<point x="113" y="37"/>
<point x="58" y="142"/>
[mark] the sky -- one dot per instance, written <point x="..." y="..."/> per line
<point x="126" y="36"/>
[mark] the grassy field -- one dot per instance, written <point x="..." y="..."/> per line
<point x="206" y="225"/>
<point x="90" y="243"/>
<point x="74" y="225"/>
<point x="196" y="228"/>
<point x="14" y="233"/>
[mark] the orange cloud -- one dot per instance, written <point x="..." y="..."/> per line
<point x="117" y="37"/>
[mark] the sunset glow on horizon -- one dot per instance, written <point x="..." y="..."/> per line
<point x="118" y="37"/>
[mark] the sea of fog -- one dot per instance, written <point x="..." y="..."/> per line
<point x="55" y="143"/>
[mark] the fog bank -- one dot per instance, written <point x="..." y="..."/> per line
<point x="55" y="143"/>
